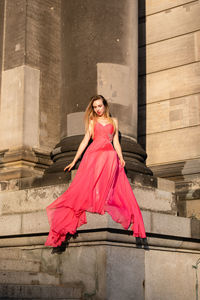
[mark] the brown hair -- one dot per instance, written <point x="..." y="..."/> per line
<point x="91" y="115"/>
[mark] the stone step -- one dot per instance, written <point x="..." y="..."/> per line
<point x="161" y="199"/>
<point x="24" y="278"/>
<point x="11" y="291"/>
<point x="158" y="223"/>
<point x="19" y="265"/>
<point x="24" y="255"/>
<point x="9" y="253"/>
<point x="28" y="200"/>
<point x="155" y="200"/>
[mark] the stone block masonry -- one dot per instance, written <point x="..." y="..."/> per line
<point x="89" y="266"/>
<point x="169" y="94"/>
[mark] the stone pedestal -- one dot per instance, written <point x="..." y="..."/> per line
<point x="103" y="262"/>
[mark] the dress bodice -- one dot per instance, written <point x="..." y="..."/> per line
<point x="103" y="131"/>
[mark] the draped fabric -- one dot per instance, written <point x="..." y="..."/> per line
<point x="99" y="186"/>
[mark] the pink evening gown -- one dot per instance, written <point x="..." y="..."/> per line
<point x="100" y="185"/>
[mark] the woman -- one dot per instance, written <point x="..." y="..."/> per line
<point x="100" y="184"/>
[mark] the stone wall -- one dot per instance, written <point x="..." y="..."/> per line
<point x="99" y="269"/>
<point x="1" y="38"/>
<point x="104" y="261"/>
<point x="30" y="86"/>
<point x="169" y="100"/>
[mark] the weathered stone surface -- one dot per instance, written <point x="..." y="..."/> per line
<point x="169" y="93"/>
<point x="170" y="225"/>
<point x="29" y="200"/>
<point x="172" y="22"/>
<point x="99" y="237"/>
<point x="176" y="82"/>
<point x="166" y="185"/>
<point x="35" y="222"/>
<point x="9" y="254"/>
<point x="30" y="81"/>
<point x="155" y="200"/>
<point x="90" y="268"/>
<point x="23" y="277"/>
<point x="1" y="37"/>
<point x="166" y="274"/>
<point x="86" y="264"/>
<point x="10" y="225"/>
<point x="192" y="208"/>
<point x="19" y="131"/>
<point x="27" y="207"/>
<point x="19" y="265"/>
<point x="43" y="42"/>
<point x="20" y="291"/>
<point x="8" y="202"/>
<point x="104" y="257"/>
<point x="49" y="263"/>
<point x="19" y="107"/>
<point x="32" y="183"/>
<point x="160" y="145"/>
<point x="75" y="124"/>
<point x="115" y="45"/>
<point x="14" y="42"/>
<point x="127" y="288"/>
<point x="185" y="173"/>
<point x="158" y="223"/>
<point x="169" y="53"/>
<point x="188" y="186"/>
<point x="169" y="115"/>
<point x="21" y="241"/>
<point x="115" y="82"/>
<point x="37" y="199"/>
<point x="153" y="6"/>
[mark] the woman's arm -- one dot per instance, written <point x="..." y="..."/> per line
<point x="116" y="143"/>
<point x="81" y="147"/>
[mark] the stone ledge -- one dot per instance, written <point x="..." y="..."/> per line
<point x="156" y="223"/>
<point x="57" y="179"/>
<point x="21" y="291"/>
<point x="36" y="199"/>
<point x="103" y="237"/>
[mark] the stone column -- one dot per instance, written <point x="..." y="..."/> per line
<point x="30" y="79"/>
<point x="99" y="54"/>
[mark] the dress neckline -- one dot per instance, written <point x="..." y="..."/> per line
<point x="105" y="124"/>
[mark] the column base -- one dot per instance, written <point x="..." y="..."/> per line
<point x="23" y="162"/>
<point x="186" y="176"/>
<point x="65" y="151"/>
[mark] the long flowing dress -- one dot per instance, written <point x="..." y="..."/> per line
<point x="100" y="185"/>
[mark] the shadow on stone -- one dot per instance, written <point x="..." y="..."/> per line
<point x="142" y="243"/>
<point x="60" y="249"/>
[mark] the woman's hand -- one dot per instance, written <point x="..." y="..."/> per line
<point x="122" y="161"/>
<point x="70" y="166"/>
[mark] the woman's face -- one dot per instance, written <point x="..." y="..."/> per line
<point x="99" y="107"/>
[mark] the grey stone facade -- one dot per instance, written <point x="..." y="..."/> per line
<point x="54" y="55"/>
